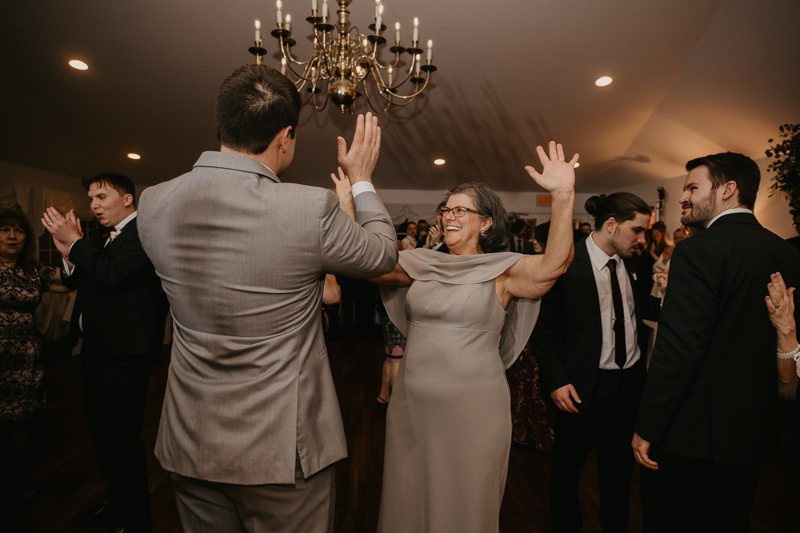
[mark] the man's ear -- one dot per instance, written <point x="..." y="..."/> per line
<point x="728" y="190"/>
<point x="609" y="225"/>
<point x="285" y="136"/>
<point x="128" y="199"/>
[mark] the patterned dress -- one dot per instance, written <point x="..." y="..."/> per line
<point x="21" y="371"/>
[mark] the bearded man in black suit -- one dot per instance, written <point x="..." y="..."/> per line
<point x="120" y="312"/>
<point x="708" y="418"/>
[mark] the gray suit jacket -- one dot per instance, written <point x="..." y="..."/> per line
<point x="242" y="259"/>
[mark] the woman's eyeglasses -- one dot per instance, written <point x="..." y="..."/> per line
<point x="458" y="212"/>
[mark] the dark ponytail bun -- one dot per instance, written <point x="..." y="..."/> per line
<point x="593" y="204"/>
<point x="621" y="206"/>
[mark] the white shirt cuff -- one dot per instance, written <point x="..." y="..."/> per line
<point x="361" y="186"/>
<point x="67" y="270"/>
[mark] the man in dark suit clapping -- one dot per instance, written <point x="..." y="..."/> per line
<point x="120" y="312"/>
<point x="708" y="418"/>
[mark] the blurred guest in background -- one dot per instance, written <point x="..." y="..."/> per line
<point x="409" y="242"/>
<point x="22" y="394"/>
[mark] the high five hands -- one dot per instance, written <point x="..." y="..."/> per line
<point x="557" y="175"/>
<point x="359" y="162"/>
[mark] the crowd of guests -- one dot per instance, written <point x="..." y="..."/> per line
<point x="250" y="426"/>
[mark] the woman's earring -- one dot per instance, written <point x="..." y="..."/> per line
<point x="483" y="234"/>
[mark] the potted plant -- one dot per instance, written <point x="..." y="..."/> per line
<point x="787" y="165"/>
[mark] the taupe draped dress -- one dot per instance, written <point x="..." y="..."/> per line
<point x="448" y="430"/>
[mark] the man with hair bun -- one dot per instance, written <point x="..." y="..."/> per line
<point x="708" y="418"/>
<point x="590" y="355"/>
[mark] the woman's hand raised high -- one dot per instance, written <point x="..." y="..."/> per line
<point x="557" y="175"/>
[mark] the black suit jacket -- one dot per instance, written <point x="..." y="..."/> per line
<point x="119" y="296"/>
<point x="711" y="390"/>
<point x="568" y="338"/>
<point x="526" y="246"/>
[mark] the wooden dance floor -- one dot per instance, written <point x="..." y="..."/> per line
<point x="63" y="468"/>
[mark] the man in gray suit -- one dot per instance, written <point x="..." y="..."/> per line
<point x="251" y="426"/>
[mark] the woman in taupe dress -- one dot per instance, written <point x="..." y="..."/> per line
<point x="467" y="316"/>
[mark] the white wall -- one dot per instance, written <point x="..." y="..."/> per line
<point x="772" y="213"/>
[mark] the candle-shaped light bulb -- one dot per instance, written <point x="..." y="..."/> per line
<point x="379" y="19"/>
<point x="258" y="30"/>
<point x="390" y="76"/>
<point x="418" y="65"/>
<point x="430" y="50"/>
<point x="397" y="31"/>
<point x="416" y="30"/>
<point x="288" y="25"/>
<point x="325" y="9"/>
<point x="283" y="66"/>
<point x="280" y="13"/>
<point x="377" y="4"/>
<point x="313" y="6"/>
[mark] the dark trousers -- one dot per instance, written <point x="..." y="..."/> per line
<point x="115" y="394"/>
<point x="696" y="495"/>
<point x="606" y="425"/>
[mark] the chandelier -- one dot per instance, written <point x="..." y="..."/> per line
<point x="343" y="58"/>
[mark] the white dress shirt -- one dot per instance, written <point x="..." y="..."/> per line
<point x="599" y="261"/>
<point x="729" y="212"/>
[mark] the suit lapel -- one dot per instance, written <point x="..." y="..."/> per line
<point x="584" y="270"/>
<point x="126" y="232"/>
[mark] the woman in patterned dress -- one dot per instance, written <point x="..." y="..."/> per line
<point x="22" y="280"/>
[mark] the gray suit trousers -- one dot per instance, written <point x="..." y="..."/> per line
<point x="210" y="507"/>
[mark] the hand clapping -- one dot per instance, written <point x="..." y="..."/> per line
<point x="65" y="231"/>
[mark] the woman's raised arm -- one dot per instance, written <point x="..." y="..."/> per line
<point x="532" y="276"/>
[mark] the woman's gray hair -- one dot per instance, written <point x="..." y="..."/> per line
<point x="488" y="205"/>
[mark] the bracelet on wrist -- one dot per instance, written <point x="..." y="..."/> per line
<point x="790" y="355"/>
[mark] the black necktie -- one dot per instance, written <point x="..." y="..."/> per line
<point x="620" y="346"/>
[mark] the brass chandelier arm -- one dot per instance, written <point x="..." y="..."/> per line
<point x="408" y="97"/>
<point x="287" y="54"/>
<point x="369" y="101"/>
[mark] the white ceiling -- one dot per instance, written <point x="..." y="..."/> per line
<point x="691" y="77"/>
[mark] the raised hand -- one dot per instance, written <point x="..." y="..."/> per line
<point x="780" y="304"/>
<point x="557" y="175"/>
<point x="345" y="193"/>
<point x="434" y="236"/>
<point x="359" y="162"/>
<point x="661" y="278"/>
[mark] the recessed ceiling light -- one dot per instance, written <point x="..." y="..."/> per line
<point x="602" y="82"/>
<point x="577" y="165"/>
<point x="78" y="65"/>
<point x="438" y="162"/>
<point x="134" y="156"/>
